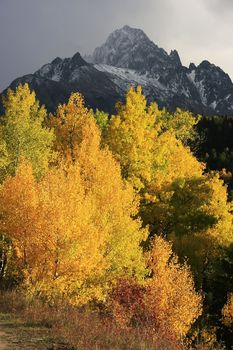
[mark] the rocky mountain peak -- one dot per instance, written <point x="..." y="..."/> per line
<point x="192" y="66"/>
<point x="78" y="61"/>
<point x="132" y="34"/>
<point x="175" y="58"/>
<point x="121" y="38"/>
<point x="119" y="45"/>
<point x="130" y="48"/>
<point x="213" y="73"/>
<point x="56" y="61"/>
<point x="205" y="65"/>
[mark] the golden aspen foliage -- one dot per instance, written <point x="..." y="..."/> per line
<point x="75" y="263"/>
<point x="73" y="230"/>
<point x="141" y="137"/>
<point x="171" y="301"/>
<point x="166" y="304"/>
<point x="173" y="161"/>
<point x="193" y="211"/>
<point x="23" y="133"/>
<point x="131" y="136"/>
<point x="202" y="221"/>
<point x="221" y="209"/>
<point x="101" y="175"/>
<point x="19" y="202"/>
<point x="178" y="197"/>
<point x="99" y="169"/>
<point x="194" y="204"/>
<point x="180" y="123"/>
<point x="169" y="196"/>
<point x="227" y="312"/>
<point x="71" y="123"/>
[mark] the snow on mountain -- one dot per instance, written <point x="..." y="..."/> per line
<point x="191" y="76"/>
<point x="124" y="77"/>
<point x="130" y="58"/>
<point x="200" y="87"/>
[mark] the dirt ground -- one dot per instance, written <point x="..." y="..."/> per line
<point x="16" y="335"/>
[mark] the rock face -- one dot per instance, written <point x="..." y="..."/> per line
<point x="130" y="58"/>
<point x="55" y="81"/>
<point x="131" y="48"/>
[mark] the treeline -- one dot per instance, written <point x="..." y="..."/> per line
<point x="216" y="145"/>
<point x="116" y="213"/>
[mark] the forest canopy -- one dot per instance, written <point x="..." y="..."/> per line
<point x="118" y="211"/>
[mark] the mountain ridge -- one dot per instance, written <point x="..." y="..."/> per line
<point x="129" y="58"/>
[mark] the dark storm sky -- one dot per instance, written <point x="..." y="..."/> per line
<point x="33" y="32"/>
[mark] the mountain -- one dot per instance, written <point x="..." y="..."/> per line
<point x="131" y="48"/>
<point x="55" y="81"/>
<point x="129" y="57"/>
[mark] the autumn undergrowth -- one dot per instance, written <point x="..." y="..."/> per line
<point x="94" y="327"/>
<point x="84" y="328"/>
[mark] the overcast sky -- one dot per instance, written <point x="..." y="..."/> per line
<point x="33" y="32"/>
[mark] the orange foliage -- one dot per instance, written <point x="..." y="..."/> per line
<point x="171" y="301"/>
<point x="73" y="230"/>
<point x="73" y="124"/>
<point x="166" y="304"/>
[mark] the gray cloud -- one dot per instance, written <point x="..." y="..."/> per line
<point x="34" y="32"/>
<point x="219" y="6"/>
